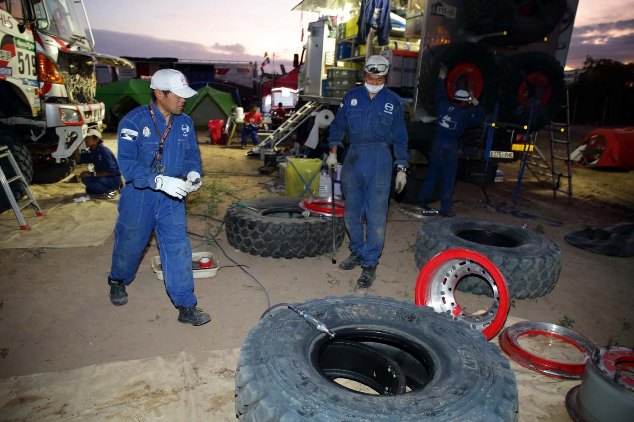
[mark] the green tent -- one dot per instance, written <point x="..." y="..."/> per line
<point x="122" y="96"/>
<point x="209" y="104"/>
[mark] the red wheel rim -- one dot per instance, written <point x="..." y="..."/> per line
<point x="438" y="278"/>
<point x="509" y="342"/>
<point x="322" y="206"/>
<point x="471" y="72"/>
<point x="535" y="82"/>
<point x="619" y="359"/>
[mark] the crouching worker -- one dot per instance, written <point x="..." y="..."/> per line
<point x="105" y="180"/>
<point x="160" y="161"/>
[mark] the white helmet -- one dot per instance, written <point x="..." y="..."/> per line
<point x="377" y="65"/>
<point x="462" y="95"/>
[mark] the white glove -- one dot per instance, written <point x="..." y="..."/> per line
<point x="401" y="179"/>
<point x="331" y="161"/>
<point x="442" y="72"/>
<point x="194" y="182"/>
<point x="474" y="100"/>
<point x="173" y="186"/>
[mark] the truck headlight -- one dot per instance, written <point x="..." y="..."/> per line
<point x="70" y="116"/>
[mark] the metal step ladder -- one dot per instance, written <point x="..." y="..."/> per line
<point x="552" y="172"/>
<point x="288" y="127"/>
<point x="5" y="152"/>
<point x="560" y="153"/>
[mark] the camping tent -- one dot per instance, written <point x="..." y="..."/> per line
<point x="209" y="104"/>
<point x="122" y="96"/>
<point x="607" y="148"/>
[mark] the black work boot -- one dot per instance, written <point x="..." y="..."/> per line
<point x="193" y="316"/>
<point x="351" y="261"/>
<point x="118" y="296"/>
<point x="367" y="277"/>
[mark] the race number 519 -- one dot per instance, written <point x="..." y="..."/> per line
<point x="26" y="63"/>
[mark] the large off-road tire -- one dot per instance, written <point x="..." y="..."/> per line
<point x="469" y="66"/>
<point x="275" y="226"/>
<point x="532" y="89"/>
<point x="286" y="371"/>
<point x="22" y="158"/>
<point x="512" y="23"/>
<point x="529" y="262"/>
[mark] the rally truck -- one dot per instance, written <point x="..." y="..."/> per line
<point x="47" y="86"/>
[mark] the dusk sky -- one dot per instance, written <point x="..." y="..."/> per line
<point x="242" y="30"/>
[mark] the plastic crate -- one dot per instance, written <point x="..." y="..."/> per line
<point x="198" y="272"/>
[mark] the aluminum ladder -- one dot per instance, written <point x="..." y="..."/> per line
<point x="288" y="127"/>
<point x="553" y="171"/>
<point x="17" y="207"/>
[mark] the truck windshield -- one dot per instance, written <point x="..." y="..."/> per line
<point x="59" y="18"/>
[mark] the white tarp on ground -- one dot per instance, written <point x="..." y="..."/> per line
<point x="65" y="224"/>
<point x="196" y="388"/>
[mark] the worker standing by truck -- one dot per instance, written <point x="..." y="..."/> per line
<point x="160" y="161"/>
<point x="373" y="118"/>
<point x="453" y="118"/>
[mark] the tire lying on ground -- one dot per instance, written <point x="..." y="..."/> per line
<point x="276" y="227"/>
<point x="529" y="262"/>
<point x="289" y="371"/>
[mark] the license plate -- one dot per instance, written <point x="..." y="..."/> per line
<point x="501" y="154"/>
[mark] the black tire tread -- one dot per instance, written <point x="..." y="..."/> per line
<point x="254" y="233"/>
<point x="530" y="270"/>
<point x="271" y="384"/>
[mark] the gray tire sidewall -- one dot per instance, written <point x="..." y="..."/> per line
<point x="251" y="230"/>
<point x="530" y="269"/>
<point x="276" y="380"/>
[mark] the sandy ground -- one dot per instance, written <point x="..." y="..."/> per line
<point x="55" y="314"/>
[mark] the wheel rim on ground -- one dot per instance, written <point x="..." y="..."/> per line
<point x="438" y="279"/>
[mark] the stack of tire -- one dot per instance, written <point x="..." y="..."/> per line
<point x="498" y="75"/>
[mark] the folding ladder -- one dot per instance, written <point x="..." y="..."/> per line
<point x="560" y="151"/>
<point x="289" y="126"/>
<point x="5" y="152"/>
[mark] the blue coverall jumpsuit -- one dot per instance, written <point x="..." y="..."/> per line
<point x="104" y="161"/>
<point x="451" y="123"/>
<point x="374" y="127"/>
<point x="143" y="209"/>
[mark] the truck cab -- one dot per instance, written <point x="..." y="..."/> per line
<point x="47" y="84"/>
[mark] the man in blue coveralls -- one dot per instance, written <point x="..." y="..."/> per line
<point x="160" y="161"/>
<point x="372" y="117"/>
<point x="106" y="178"/>
<point x="453" y="118"/>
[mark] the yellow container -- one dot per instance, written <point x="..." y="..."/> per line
<point x="351" y="27"/>
<point x="302" y="177"/>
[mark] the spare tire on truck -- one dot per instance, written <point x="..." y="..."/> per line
<point x="470" y="66"/>
<point x="533" y="89"/>
<point x="277" y="227"/>
<point x="290" y="371"/>
<point x="529" y="262"/>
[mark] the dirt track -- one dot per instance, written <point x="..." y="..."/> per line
<point x="56" y="315"/>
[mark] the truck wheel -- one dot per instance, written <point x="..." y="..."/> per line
<point x="22" y="157"/>
<point x="531" y="78"/>
<point x="523" y="21"/>
<point x="470" y="66"/>
<point x="276" y="227"/>
<point x="52" y="172"/>
<point x="529" y="262"/>
<point x="286" y="370"/>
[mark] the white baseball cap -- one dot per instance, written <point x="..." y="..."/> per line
<point x="94" y="132"/>
<point x="172" y="80"/>
<point x="462" y="95"/>
<point x="377" y="65"/>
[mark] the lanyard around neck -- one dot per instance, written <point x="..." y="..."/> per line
<point x="164" y="135"/>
